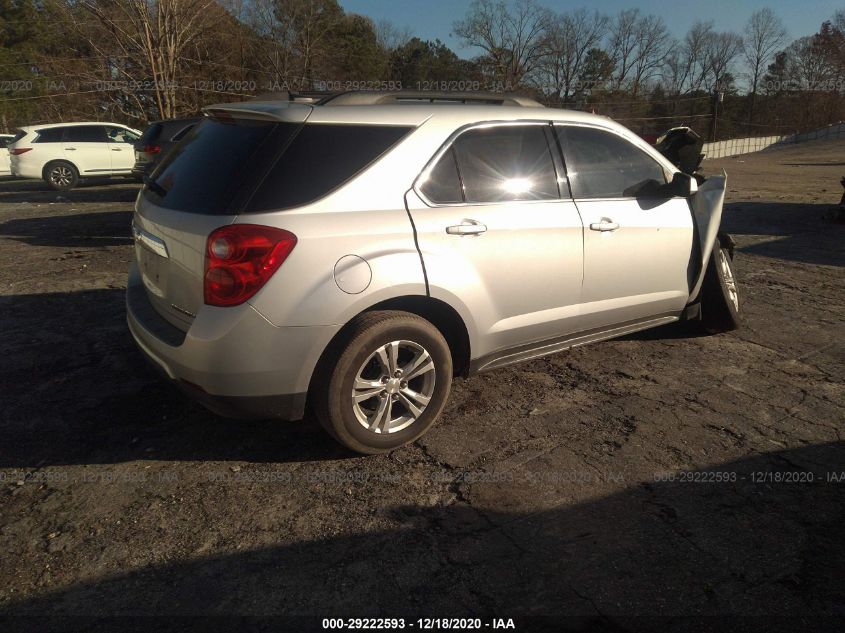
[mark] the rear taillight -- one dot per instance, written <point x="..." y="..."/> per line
<point x="151" y="149"/>
<point x="20" y="150"/>
<point x="240" y="258"/>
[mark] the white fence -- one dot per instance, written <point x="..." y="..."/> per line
<point x="737" y="146"/>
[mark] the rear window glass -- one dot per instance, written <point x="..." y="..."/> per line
<point x="215" y="162"/>
<point x="150" y="134"/>
<point x="321" y="158"/>
<point x="18" y="136"/>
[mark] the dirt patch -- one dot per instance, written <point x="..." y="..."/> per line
<point x="665" y="473"/>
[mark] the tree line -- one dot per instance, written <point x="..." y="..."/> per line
<point x="139" y="60"/>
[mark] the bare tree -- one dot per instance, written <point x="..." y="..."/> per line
<point x="623" y="43"/>
<point x="652" y="39"/>
<point x="764" y="36"/>
<point x="721" y="49"/>
<point x="638" y="45"/>
<point x="390" y="37"/>
<point x="512" y="38"/>
<point x="571" y="36"/>
<point x="152" y="39"/>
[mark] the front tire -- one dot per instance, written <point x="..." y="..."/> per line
<point x="61" y="175"/>
<point x="385" y="383"/>
<point x="720" y="301"/>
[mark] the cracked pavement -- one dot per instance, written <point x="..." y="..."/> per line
<point x="665" y="473"/>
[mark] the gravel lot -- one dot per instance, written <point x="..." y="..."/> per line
<point x="666" y="473"/>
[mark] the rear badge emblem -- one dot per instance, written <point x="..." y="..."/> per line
<point x="183" y="310"/>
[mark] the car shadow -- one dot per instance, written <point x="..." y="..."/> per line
<point x="107" y="228"/>
<point x="74" y="389"/>
<point x="799" y="231"/>
<point x="661" y="555"/>
<point x="88" y="190"/>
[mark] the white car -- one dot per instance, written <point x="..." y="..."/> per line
<point x="62" y="153"/>
<point x="5" y="165"/>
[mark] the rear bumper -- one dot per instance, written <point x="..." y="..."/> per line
<point x="231" y="360"/>
<point x="23" y="169"/>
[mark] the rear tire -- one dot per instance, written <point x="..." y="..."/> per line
<point x="61" y="175"/>
<point x="383" y="384"/>
<point x="720" y="301"/>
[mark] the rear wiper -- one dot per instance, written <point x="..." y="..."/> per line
<point x="153" y="186"/>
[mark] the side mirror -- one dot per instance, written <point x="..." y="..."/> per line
<point x="683" y="185"/>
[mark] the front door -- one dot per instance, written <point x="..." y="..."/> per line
<point x="637" y="246"/>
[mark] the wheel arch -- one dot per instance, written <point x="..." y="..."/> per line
<point x="52" y="161"/>
<point x="440" y="314"/>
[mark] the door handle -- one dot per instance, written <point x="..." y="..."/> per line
<point x="116" y="149"/>
<point x="70" y="149"/>
<point x="468" y="227"/>
<point x="606" y="224"/>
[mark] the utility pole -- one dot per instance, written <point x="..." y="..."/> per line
<point x="718" y="97"/>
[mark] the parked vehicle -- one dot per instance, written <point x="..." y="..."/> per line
<point x="62" y="153"/>
<point x="355" y="255"/>
<point x="5" y="164"/>
<point x="157" y="140"/>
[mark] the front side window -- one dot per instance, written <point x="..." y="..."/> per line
<point x="601" y="164"/>
<point x="121" y="135"/>
<point x="495" y="164"/>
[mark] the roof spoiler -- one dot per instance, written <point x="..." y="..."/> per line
<point x="267" y="109"/>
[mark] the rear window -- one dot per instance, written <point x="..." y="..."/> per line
<point x="150" y="134"/>
<point x="18" y="136"/>
<point x="321" y="158"/>
<point x="225" y="166"/>
<point x="219" y="159"/>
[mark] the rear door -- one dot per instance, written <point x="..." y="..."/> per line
<point x="121" y="143"/>
<point x="200" y="186"/>
<point x="499" y="234"/>
<point x="86" y="147"/>
<point x="637" y="246"/>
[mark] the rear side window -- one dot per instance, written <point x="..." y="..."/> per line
<point x="603" y="165"/>
<point x="49" y="135"/>
<point x="443" y="185"/>
<point x="507" y="162"/>
<point x="85" y="134"/>
<point x="321" y="158"/>
<point x="5" y="141"/>
<point x="216" y="161"/>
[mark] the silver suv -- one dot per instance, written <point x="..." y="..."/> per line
<point x="355" y="254"/>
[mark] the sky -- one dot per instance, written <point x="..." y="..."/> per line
<point x="430" y="19"/>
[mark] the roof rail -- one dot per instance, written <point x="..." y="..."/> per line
<point x="370" y="97"/>
<point x="297" y="97"/>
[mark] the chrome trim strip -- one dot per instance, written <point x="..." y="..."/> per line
<point x="155" y="244"/>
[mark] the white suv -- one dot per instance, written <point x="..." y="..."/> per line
<point x="5" y="140"/>
<point x="63" y="153"/>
